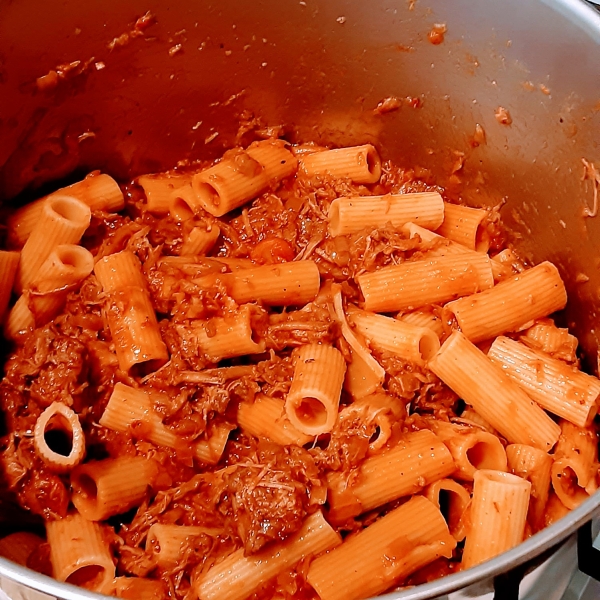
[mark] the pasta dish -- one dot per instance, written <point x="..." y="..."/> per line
<point x="294" y="373"/>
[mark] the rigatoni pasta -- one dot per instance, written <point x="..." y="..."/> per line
<point x="409" y="342"/>
<point x="384" y="553"/>
<point x="535" y="465"/>
<point x="559" y="388"/>
<point x="427" y="281"/>
<point x="268" y="386"/>
<point x="69" y="449"/>
<point x="312" y="402"/>
<point x="112" y="486"/>
<point x="9" y="261"/>
<point x="99" y="191"/>
<point x="498" y="515"/>
<point x="453" y="500"/>
<point x="132" y="410"/>
<point x="293" y="283"/>
<point x="535" y="293"/>
<point x="265" y="417"/>
<point x="239" y="177"/>
<point x="222" y="580"/>
<point x="360" y="164"/>
<point x="129" y="312"/>
<point x="166" y="541"/>
<point x="464" y="225"/>
<point x="575" y="468"/>
<point x="62" y="272"/>
<point x="159" y="189"/>
<point x="226" y="337"/>
<point x="349" y="215"/>
<point x="483" y="385"/>
<point x="416" y="461"/>
<point x="62" y="220"/>
<point x="79" y="553"/>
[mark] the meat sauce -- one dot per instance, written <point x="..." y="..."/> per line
<point x="259" y="492"/>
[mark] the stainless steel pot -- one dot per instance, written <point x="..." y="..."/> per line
<point x="129" y="100"/>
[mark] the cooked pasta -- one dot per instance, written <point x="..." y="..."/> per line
<point x="59" y="421"/>
<point x="263" y="381"/>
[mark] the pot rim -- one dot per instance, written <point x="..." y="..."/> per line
<point x="588" y="20"/>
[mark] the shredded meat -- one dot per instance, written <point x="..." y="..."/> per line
<point x="247" y="493"/>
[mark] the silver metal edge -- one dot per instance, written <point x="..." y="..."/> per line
<point x="580" y="13"/>
<point x="42" y="583"/>
<point x="531" y="548"/>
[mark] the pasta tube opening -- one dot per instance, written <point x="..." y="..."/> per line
<point x="85" y="485"/>
<point x="484" y="454"/>
<point x="89" y="577"/>
<point x="311" y="413"/>
<point x="69" y="209"/>
<point x="209" y="194"/>
<point x="183" y="202"/>
<point x="80" y="554"/>
<point x="567" y="484"/>
<point x="453" y="500"/>
<point x="314" y="396"/>
<point x="58" y="438"/>
<point x="373" y="163"/>
<point x="429" y="344"/>
<point x="482" y="239"/>
<point x="360" y="164"/>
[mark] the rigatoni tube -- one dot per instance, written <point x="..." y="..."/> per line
<point x="131" y="410"/>
<point x="226" y="337"/>
<point x="482" y="384"/>
<point x="349" y="215"/>
<point x="360" y="164"/>
<point x="288" y="284"/>
<point x="59" y="425"/>
<point x="575" y="468"/>
<point x="452" y="499"/>
<point x="239" y="576"/>
<point x="413" y="284"/>
<point x="532" y="294"/>
<point x="265" y="417"/>
<point x="129" y="312"/>
<point x="200" y="240"/>
<point x="159" y="189"/>
<point x="463" y="224"/>
<point x="418" y="460"/>
<point x="498" y="515"/>
<point x="110" y="487"/>
<point x="560" y="388"/>
<point x="62" y="220"/>
<point x="240" y="176"/>
<point x="79" y="553"/>
<point x="210" y="449"/>
<point x="535" y="465"/>
<point x="556" y="341"/>
<point x="314" y="396"/>
<point x="408" y="342"/>
<point x="475" y="449"/>
<point x="98" y="191"/>
<point x="166" y="542"/>
<point x="61" y="273"/>
<point x="383" y="554"/>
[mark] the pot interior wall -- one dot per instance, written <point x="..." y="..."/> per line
<point x="129" y="100"/>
